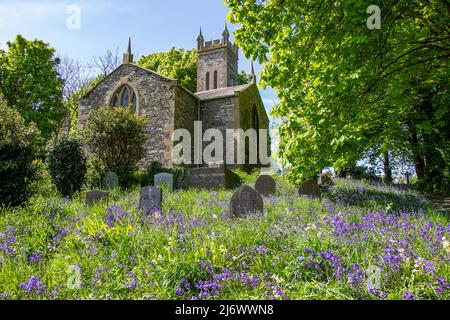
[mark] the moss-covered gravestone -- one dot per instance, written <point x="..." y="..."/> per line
<point x="265" y="185"/>
<point x="310" y="189"/>
<point x="94" y="196"/>
<point x="110" y="180"/>
<point x="246" y="200"/>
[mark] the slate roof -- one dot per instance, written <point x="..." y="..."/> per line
<point x="222" y="92"/>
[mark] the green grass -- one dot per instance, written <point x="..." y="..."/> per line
<point x="195" y="241"/>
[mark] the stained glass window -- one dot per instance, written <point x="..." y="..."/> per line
<point x="125" y="97"/>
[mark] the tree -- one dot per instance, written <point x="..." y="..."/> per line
<point x="117" y="137"/>
<point x="107" y="63"/>
<point x="67" y="166"/>
<point x="243" y="77"/>
<point x="178" y="64"/>
<point x="345" y="88"/>
<point x="30" y="83"/>
<point x="75" y="76"/>
<point x="17" y="153"/>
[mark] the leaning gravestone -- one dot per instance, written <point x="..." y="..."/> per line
<point x="94" y="196"/>
<point x="246" y="200"/>
<point x="110" y="180"/>
<point x="150" y="199"/>
<point x="164" y="179"/>
<point x="309" y="188"/>
<point x="265" y="185"/>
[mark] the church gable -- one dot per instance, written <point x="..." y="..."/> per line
<point x="150" y="95"/>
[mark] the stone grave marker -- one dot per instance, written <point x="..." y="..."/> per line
<point x="325" y="179"/>
<point x="150" y="199"/>
<point x="94" y="196"/>
<point x="309" y="188"/>
<point x="164" y="179"/>
<point x="265" y="185"/>
<point x="110" y="180"/>
<point x="246" y="200"/>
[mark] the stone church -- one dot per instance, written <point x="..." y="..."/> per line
<point x="220" y="102"/>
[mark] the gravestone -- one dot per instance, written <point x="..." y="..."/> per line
<point x="265" y="185"/>
<point x="325" y="179"/>
<point x="164" y="179"/>
<point x="150" y="199"/>
<point x="110" y="180"/>
<point x="246" y="200"/>
<point x="94" y="196"/>
<point x="309" y="188"/>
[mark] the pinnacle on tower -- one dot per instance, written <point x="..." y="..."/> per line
<point x="252" y="75"/>
<point x="128" y="56"/>
<point x="200" y="40"/>
<point x="226" y="34"/>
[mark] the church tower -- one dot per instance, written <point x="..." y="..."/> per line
<point x="217" y="63"/>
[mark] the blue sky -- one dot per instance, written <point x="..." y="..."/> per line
<point x="154" y="25"/>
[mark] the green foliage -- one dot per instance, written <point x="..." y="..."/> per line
<point x="345" y="89"/>
<point x="243" y="78"/>
<point x="248" y="177"/>
<point x="17" y="153"/>
<point x="116" y="136"/>
<point x="193" y="238"/>
<point x="73" y="101"/>
<point x="146" y="177"/>
<point x="29" y="82"/>
<point x="96" y="171"/>
<point x="67" y="166"/>
<point x="178" y="64"/>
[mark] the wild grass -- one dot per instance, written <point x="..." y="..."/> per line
<point x="359" y="241"/>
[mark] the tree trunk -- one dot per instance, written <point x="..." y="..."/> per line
<point x="387" y="168"/>
<point x="419" y="163"/>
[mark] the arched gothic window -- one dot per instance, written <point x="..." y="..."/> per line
<point x="125" y="97"/>
<point x="207" y="81"/>
<point x="215" y="79"/>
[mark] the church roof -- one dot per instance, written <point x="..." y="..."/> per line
<point x="222" y="92"/>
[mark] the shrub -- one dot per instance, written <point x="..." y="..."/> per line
<point x="17" y="151"/>
<point x="117" y="137"/>
<point x="67" y="166"/>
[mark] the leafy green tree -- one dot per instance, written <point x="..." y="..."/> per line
<point x="117" y="137"/>
<point x="67" y="166"/>
<point x="30" y="83"/>
<point x="17" y="153"/>
<point x="178" y="64"/>
<point x="243" y="78"/>
<point x="345" y="88"/>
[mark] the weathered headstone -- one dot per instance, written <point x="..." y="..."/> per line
<point x="245" y="200"/>
<point x="110" y="180"/>
<point x="150" y="199"/>
<point x="94" y="196"/>
<point x="325" y="179"/>
<point x="265" y="185"/>
<point x="309" y="188"/>
<point x="164" y="179"/>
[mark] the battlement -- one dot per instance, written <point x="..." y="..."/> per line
<point x="217" y="62"/>
<point x="219" y="43"/>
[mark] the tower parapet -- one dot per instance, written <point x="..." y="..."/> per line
<point x="217" y="62"/>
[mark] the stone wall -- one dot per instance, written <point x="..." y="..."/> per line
<point x="219" y="114"/>
<point x="222" y="60"/>
<point x="156" y="101"/>
<point x="250" y="100"/>
<point x="186" y="111"/>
